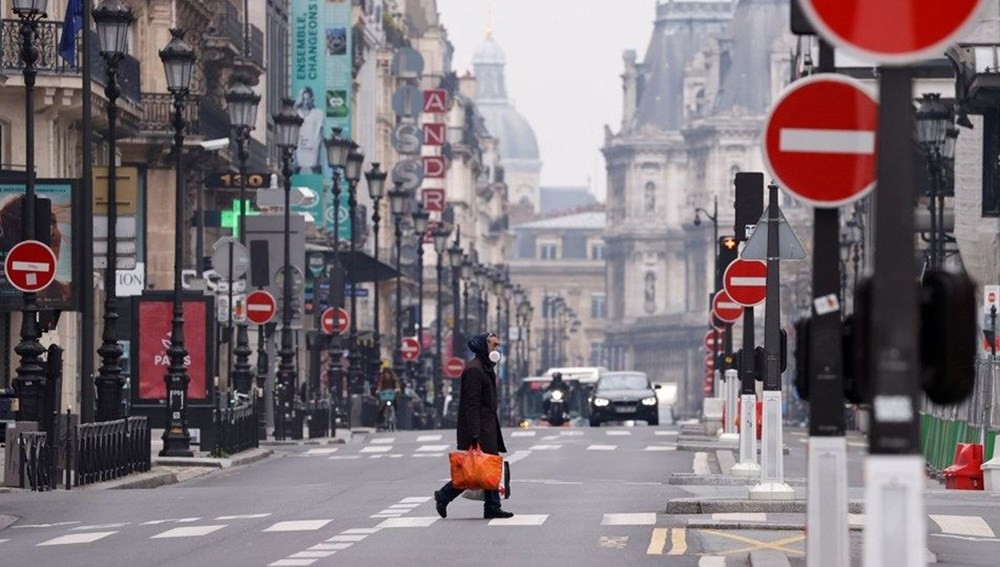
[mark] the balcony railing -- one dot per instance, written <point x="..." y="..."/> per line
<point x="158" y="113"/>
<point x="50" y="63"/>
<point x="229" y="25"/>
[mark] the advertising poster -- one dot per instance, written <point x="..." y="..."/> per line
<point x="321" y="87"/>
<point x="61" y="293"/>
<point x="153" y="360"/>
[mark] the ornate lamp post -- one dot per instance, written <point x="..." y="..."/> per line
<point x="933" y="119"/>
<point x="714" y="218"/>
<point x="397" y="205"/>
<point x="421" y="219"/>
<point x="337" y="150"/>
<point x="376" y="190"/>
<point x="178" y="62"/>
<point x="242" y="104"/>
<point x="455" y="260"/>
<point x="113" y="19"/>
<point x="287" y="125"/>
<point x="352" y="171"/>
<point x="441" y="248"/>
<point x="482" y="276"/>
<point x="529" y="312"/>
<point x="30" y="382"/>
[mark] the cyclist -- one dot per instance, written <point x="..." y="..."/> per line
<point x="387" y="390"/>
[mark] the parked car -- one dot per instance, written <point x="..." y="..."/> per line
<point x="621" y="396"/>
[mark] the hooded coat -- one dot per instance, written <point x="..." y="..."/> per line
<point x="477" y="403"/>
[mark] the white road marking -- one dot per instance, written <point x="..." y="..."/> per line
<point x="177" y="520"/>
<point x="377" y="449"/>
<point x="618" y="432"/>
<point x="660" y="448"/>
<point x="347" y="538"/>
<point x="386" y="515"/>
<point x="292" y="563"/>
<point x="99" y="527"/>
<point x="963" y="525"/>
<point x="826" y="141"/>
<point x="523" y="434"/>
<point x="383" y="441"/>
<point x="602" y="447"/>
<point x="322" y="451"/>
<point x="344" y="457"/>
<point x="434" y="448"/>
<point x="428" y="455"/>
<point x="3" y="540"/>
<point x="298" y="526"/>
<point x="368" y="530"/>
<point x="402" y="506"/>
<point x="424" y="438"/>
<point x="311" y="554"/>
<point x="667" y="433"/>
<point x="243" y="516"/>
<point x="520" y="520"/>
<point x="545" y="447"/>
<point x="517" y="456"/>
<point x="968" y="538"/>
<point x="77" y="538"/>
<point x="700" y="465"/>
<point x="330" y="546"/>
<point x="640" y="519"/>
<point x="857" y="444"/>
<point x="740" y="517"/>
<point x="415" y="522"/>
<point x="55" y="525"/>
<point x="570" y="433"/>
<point x="712" y="561"/>
<point x="188" y="531"/>
<point x="407" y="500"/>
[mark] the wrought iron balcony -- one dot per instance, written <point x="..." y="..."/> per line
<point x="202" y="116"/>
<point x="50" y="63"/>
<point x="227" y="33"/>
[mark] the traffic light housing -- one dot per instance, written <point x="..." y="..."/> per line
<point x="749" y="201"/>
<point x="802" y="357"/>
<point x="760" y="357"/>
<point x="948" y="336"/>
<point x="729" y="248"/>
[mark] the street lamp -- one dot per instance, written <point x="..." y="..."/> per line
<point x="933" y="120"/>
<point x="714" y="218"/>
<point x="421" y="219"/>
<point x="337" y="150"/>
<point x="287" y="124"/>
<point x="455" y="260"/>
<point x="178" y="59"/>
<point x="376" y="190"/>
<point x="242" y="104"/>
<point x="397" y="205"/>
<point x="440" y="248"/>
<point x="30" y="382"/>
<point x="482" y="277"/>
<point x="113" y="19"/>
<point x="352" y="171"/>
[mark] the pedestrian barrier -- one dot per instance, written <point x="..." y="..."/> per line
<point x="966" y="473"/>
<point x="36" y="467"/>
<point x="235" y="429"/>
<point x="106" y="450"/>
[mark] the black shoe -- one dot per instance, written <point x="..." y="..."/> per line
<point x="498" y="513"/>
<point x="440" y="504"/>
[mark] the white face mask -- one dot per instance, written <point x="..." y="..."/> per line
<point x="495" y="356"/>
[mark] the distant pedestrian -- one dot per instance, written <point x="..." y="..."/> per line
<point x="478" y="423"/>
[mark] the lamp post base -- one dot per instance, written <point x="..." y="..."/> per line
<point x="109" y="398"/>
<point x="176" y="443"/>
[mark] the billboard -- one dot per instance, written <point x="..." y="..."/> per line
<point x="152" y="361"/>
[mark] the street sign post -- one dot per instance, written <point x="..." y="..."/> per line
<point x="819" y="140"/>
<point x="891" y="31"/>
<point x="725" y="308"/>
<point x="746" y="282"/>
<point x="409" y="349"/>
<point x="30" y="266"/>
<point x="261" y="307"/>
<point x="335" y="319"/>
<point x="453" y="367"/>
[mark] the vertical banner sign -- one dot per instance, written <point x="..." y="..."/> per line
<point x="154" y="341"/>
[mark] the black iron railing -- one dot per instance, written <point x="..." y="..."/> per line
<point x="235" y="429"/>
<point x="37" y="469"/>
<point x="158" y="113"/>
<point x="230" y="26"/>
<point x="111" y="449"/>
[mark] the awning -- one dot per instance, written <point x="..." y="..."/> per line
<point x="365" y="268"/>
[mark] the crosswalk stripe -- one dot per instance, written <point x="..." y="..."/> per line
<point x="963" y="525"/>
<point x="639" y="519"/>
<point x="188" y="531"/>
<point x="376" y="449"/>
<point x="347" y="538"/>
<point x="520" y="520"/>
<point x="383" y="441"/>
<point x="330" y="546"/>
<point x="423" y="438"/>
<point x="98" y="527"/>
<point x="71" y="539"/>
<point x="432" y="448"/>
<point x="423" y="455"/>
<point x="322" y="451"/>
<point x="668" y="433"/>
<point x="341" y="457"/>
<point x="523" y="434"/>
<point x="292" y="563"/>
<point x="660" y="448"/>
<point x="311" y="554"/>
<point x="602" y="447"/>
<point x="298" y="526"/>
<point x="366" y="530"/>
<point x="618" y="432"/>
<point x="712" y="561"/>
<point x="678" y="542"/>
<point x="657" y="542"/>
<point x="414" y="522"/>
<point x="740" y="517"/>
<point x="243" y="517"/>
<point x="544" y="447"/>
<point x="407" y="500"/>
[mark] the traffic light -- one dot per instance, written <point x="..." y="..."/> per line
<point x="760" y="358"/>
<point x="948" y="336"/>
<point x="749" y="201"/>
<point x="728" y="252"/>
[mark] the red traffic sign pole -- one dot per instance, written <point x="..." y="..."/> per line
<point x="725" y="308"/>
<point x="746" y="282"/>
<point x="261" y="307"/>
<point x="891" y="31"/>
<point x="819" y="140"/>
<point x="453" y="367"/>
<point x="334" y="318"/>
<point x="30" y="266"/>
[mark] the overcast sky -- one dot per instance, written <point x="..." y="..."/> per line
<point x="564" y="61"/>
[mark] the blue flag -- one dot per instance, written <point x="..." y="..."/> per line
<point x="72" y="24"/>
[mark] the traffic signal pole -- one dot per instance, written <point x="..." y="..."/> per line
<point x="729" y="430"/>
<point x="826" y="518"/>
<point x="894" y="472"/>
<point x="747" y="466"/>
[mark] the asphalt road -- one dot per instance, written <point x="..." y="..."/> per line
<point x="581" y="496"/>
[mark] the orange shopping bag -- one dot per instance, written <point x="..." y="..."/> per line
<point x="473" y="469"/>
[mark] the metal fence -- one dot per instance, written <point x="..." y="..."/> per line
<point x="235" y="429"/>
<point x="944" y="427"/>
<point x="111" y="449"/>
<point x="37" y="469"/>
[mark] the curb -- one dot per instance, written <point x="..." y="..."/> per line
<point x="151" y="479"/>
<point x="295" y="442"/>
<point x="695" y="506"/>
<point x="6" y="521"/>
<point x="768" y="558"/>
<point x="762" y="526"/>
<point x="692" y="479"/>
<point x="715" y="447"/>
<point x="239" y="459"/>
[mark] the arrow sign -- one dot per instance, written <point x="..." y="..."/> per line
<point x="891" y="31"/>
<point x="409" y="349"/>
<point x="746" y="282"/>
<point x="261" y="307"/>
<point x="334" y="318"/>
<point x="819" y="140"/>
<point x="725" y="308"/>
<point x="30" y="266"/>
<point x="453" y="367"/>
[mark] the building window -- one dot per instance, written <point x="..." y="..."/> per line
<point x="548" y="250"/>
<point x="649" y="197"/>
<point x="650" y="293"/>
<point x="991" y="164"/>
<point x="597" y="354"/>
<point x="597" y="251"/>
<point x="598" y="305"/>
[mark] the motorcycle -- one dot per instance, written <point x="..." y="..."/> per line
<point x="556" y="412"/>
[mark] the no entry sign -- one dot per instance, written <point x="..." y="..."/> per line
<point x="709" y="362"/>
<point x="334" y="318"/>
<point x="409" y="349"/>
<point x="261" y="307"/>
<point x="746" y="282"/>
<point x="713" y="339"/>
<point x="30" y="266"/>
<point x="891" y="31"/>
<point x="725" y="308"/>
<point x="453" y="367"/>
<point x="819" y="140"/>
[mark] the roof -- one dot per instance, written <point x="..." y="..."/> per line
<point x="746" y="83"/>
<point x="555" y="199"/>
<point x="579" y="221"/>
<point x="512" y="130"/>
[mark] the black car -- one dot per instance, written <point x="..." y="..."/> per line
<point x="624" y="395"/>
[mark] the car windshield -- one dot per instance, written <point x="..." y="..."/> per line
<point x="624" y="382"/>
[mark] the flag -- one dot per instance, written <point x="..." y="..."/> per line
<point x="72" y="24"/>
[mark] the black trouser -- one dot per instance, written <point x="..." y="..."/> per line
<point x="491" y="502"/>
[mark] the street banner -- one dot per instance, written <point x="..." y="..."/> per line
<point x="153" y="360"/>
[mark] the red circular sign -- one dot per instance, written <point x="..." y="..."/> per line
<point x="261" y="307"/>
<point x="453" y="367"/>
<point x="819" y="140"/>
<point x="709" y="362"/>
<point x="30" y="266"/>
<point x="409" y="349"/>
<point x="334" y="318"/>
<point x="725" y="308"/>
<point x="991" y="297"/>
<point x="746" y="281"/>
<point x="713" y="339"/>
<point x="891" y="31"/>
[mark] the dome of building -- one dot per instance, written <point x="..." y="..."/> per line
<point x="516" y="137"/>
<point x="489" y="52"/>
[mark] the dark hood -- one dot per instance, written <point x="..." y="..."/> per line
<point x="481" y="348"/>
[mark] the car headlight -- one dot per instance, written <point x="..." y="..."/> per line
<point x="601" y="402"/>
<point x="650" y="401"/>
<point x="557" y="396"/>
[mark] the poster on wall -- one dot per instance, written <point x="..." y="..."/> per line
<point x="152" y="359"/>
<point x="62" y="293"/>
<point x="321" y="88"/>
